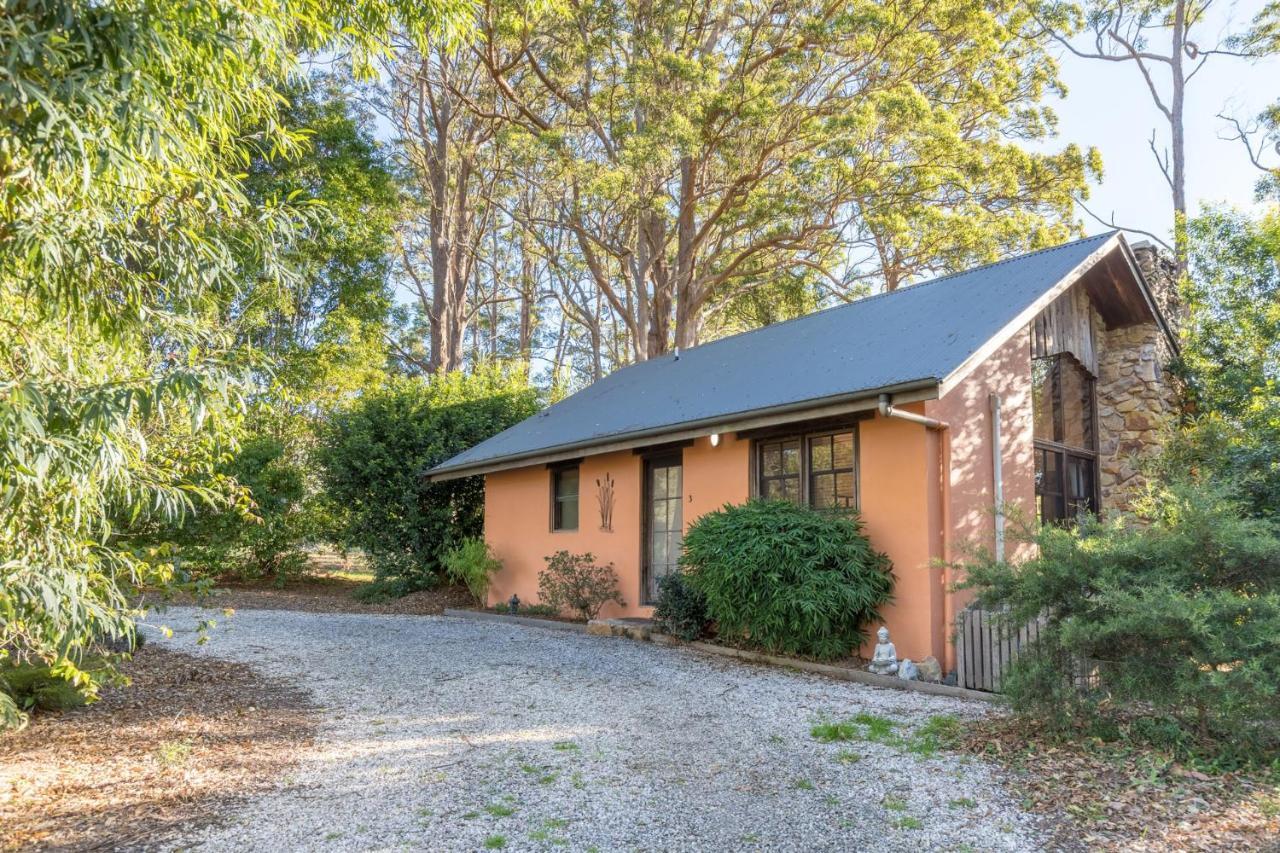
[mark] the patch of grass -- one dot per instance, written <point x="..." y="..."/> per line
<point x="941" y="731"/>
<point x="495" y="842"/>
<point x="964" y="803"/>
<point x="894" y="804"/>
<point x="908" y="822"/>
<point x="1269" y="806"/>
<point x="831" y="800"/>
<point x="879" y="729"/>
<point x="332" y="836"/>
<point x="830" y="732"/>
<point x="802" y="784"/>
<point x="565" y="746"/>
<point x="499" y="810"/>
<point x="848" y="756"/>
<point x="173" y="753"/>
<point x="471" y="815"/>
<point x="776" y="739"/>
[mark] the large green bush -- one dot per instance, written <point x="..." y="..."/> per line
<point x="1166" y="623"/>
<point x="787" y="578"/>
<point x="373" y="454"/>
<point x="260" y="536"/>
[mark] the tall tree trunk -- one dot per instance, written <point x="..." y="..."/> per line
<point x="1177" y="137"/>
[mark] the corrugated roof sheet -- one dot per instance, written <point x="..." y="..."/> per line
<point x="918" y="333"/>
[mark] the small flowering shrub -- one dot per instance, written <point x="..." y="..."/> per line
<point x="574" y="583"/>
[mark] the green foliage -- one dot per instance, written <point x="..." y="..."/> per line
<point x="681" y="610"/>
<point x="1231" y="354"/>
<point x="373" y="453"/>
<point x="261" y="537"/>
<point x="1171" y="618"/>
<point x="32" y="686"/>
<point x="125" y="229"/>
<point x="921" y="162"/>
<point x="575" y="583"/>
<point x="787" y="578"/>
<point x="472" y="563"/>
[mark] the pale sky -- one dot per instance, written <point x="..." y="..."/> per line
<point x="1108" y="106"/>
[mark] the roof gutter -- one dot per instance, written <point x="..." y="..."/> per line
<point x="920" y="389"/>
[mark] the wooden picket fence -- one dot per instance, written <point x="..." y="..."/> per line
<point x="987" y="642"/>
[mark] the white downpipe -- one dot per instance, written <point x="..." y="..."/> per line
<point x="997" y="474"/>
<point x="888" y="410"/>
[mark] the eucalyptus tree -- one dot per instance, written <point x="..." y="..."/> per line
<point x="436" y="97"/>
<point x="124" y="225"/>
<point x="705" y="149"/>
<point x="1168" y="43"/>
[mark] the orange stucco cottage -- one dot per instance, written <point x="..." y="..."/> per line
<point x="1032" y="382"/>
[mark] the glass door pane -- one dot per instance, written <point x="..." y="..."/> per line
<point x="664" y="522"/>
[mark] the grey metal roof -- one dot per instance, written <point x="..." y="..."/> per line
<point x="915" y="335"/>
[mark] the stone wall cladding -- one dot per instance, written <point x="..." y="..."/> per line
<point x="1137" y="397"/>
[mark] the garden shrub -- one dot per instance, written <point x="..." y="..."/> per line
<point x="575" y="583"/>
<point x="1173" y="614"/>
<point x="681" y="609"/>
<point x="372" y="456"/>
<point x="260" y="536"/>
<point x="787" y="578"/>
<point x="472" y="564"/>
<point x="37" y="686"/>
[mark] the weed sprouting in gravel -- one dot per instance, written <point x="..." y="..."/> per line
<point x="500" y="810"/>
<point x="894" y="804"/>
<point x="802" y="784"/>
<point x="565" y="746"/>
<point x="174" y="753"/>
<point x="831" y="732"/>
<point x="908" y="822"/>
<point x="495" y="842"/>
<point x="964" y="803"/>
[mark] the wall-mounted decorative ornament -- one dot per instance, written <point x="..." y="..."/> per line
<point x="604" y="494"/>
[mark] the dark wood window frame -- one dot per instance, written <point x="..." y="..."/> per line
<point x="662" y="456"/>
<point x="1068" y="502"/>
<point x="803" y="439"/>
<point x="558" y="501"/>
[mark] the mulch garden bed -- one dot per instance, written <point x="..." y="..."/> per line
<point x="1108" y="796"/>
<point x="327" y="595"/>
<point x="188" y="739"/>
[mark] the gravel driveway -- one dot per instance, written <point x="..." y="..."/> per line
<point x="448" y="734"/>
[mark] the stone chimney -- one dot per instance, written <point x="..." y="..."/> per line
<point x="1137" y="397"/>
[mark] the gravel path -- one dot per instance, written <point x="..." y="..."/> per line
<point x="448" y="734"/>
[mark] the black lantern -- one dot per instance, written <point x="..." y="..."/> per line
<point x="513" y="605"/>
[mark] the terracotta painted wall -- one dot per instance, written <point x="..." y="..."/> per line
<point x="971" y="505"/>
<point x="897" y="477"/>
<point x="518" y="515"/>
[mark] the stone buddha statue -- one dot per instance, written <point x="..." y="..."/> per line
<point x="885" y="659"/>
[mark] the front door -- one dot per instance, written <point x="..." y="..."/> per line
<point x="663" y="521"/>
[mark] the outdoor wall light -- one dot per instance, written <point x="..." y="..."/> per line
<point x="715" y="439"/>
